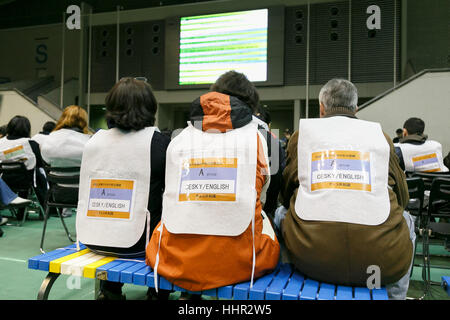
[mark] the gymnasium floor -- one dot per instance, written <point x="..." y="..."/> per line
<point x="18" y="244"/>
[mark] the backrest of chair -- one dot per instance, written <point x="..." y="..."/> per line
<point x="416" y="189"/>
<point x="428" y="177"/>
<point x="11" y="170"/>
<point x="62" y="175"/>
<point x="439" y="203"/>
<point x="13" y="167"/>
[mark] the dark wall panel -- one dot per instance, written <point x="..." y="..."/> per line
<point x="373" y="50"/>
<point x="329" y="42"/>
<point x="141" y="54"/>
<point x="296" y="21"/>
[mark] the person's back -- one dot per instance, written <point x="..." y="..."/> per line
<point x="122" y="178"/>
<point x="345" y="195"/>
<point x="214" y="231"/>
<point x="46" y="130"/>
<point x="416" y="152"/>
<point x="63" y="147"/>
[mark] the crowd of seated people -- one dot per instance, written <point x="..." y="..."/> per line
<point x="225" y="199"/>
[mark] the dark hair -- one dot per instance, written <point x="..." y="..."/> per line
<point x="3" y="130"/>
<point x="130" y="104"/>
<point x="414" y="126"/>
<point x="48" y="126"/>
<point x="398" y="131"/>
<point x="264" y="114"/>
<point x="19" y="126"/>
<point x="237" y="85"/>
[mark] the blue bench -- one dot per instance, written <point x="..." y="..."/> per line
<point x="446" y="284"/>
<point x="284" y="283"/>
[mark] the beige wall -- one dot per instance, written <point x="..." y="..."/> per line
<point x="19" y="52"/>
<point x="427" y="97"/>
<point x="12" y="104"/>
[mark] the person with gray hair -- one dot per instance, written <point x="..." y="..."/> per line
<point x="338" y="96"/>
<point x="344" y="194"/>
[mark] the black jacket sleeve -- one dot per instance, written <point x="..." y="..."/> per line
<point x="158" y="150"/>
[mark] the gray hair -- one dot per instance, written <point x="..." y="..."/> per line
<point x="339" y="95"/>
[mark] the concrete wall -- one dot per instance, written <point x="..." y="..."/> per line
<point x="12" y="104"/>
<point x="427" y="97"/>
<point x="34" y="52"/>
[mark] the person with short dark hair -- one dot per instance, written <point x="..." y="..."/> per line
<point x="46" y="129"/>
<point x="216" y="183"/>
<point x="416" y="152"/>
<point x="399" y="133"/>
<point x="2" y="131"/>
<point x="125" y="166"/>
<point x="17" y="146"/>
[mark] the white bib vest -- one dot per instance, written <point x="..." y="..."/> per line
<point x="114" y="188"/>
<point x="210" y="182"/>
<point x="15" y="150"/>
<point x="343" y="167"/>
<point x="426" y="157"/>
<point x="64" y="148"/>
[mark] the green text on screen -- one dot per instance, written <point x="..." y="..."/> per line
<point x="211" y="45"/>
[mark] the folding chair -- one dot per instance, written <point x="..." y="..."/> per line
<point x="428" y="177"/>
<point x="60" y="180"/>
<point x="416" y="191"/>
<point x="438" y="207"/>
<point x="18" y="168"/>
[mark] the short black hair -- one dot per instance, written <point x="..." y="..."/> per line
<point x="48" y="126"/>
<point x="414" y="126"/>
<point x="130" y="105"/>
<point x="19" y="126"/>
<point x="3" y="130"/>
<point x="264" y="114"/>
<point x="236" y="84"/>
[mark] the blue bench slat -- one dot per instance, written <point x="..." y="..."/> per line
<point x="446" y="284"/>
<point x="309" y="291"/>
<point x="140" y="276"/>
<point x="164" y="284"/>
<point x="240" y="291"/>
<point x="379" y="294"/>
<point x="257" y="292"/>
<point x="362" y="293"/>
<point x="126" y="276"/>
<point x="150" y="279"/>
<point x="177" y="288"/>
<point x="108" y="266"/>
<point x="278" y="284"/>
<point x="344" y="293"/>
<point x="326" y="291"/>
<point x="225" y="292"/>
<point x="114" y="272"/>
<point x="210" y="292"/>
<point x="293" y="288"/>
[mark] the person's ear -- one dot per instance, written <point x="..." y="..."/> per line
<point x="322" y="110"/>
<point x="405" y="132"/>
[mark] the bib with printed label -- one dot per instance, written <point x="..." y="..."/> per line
<point x="111" y="198"/>
<point x="17" y="150"/>
<point x="114" y="189"/>
<point x="426" y="157"/>
<point x="340" y="169"/>
<point x="210" y="182"/>
<point x="342" y="175"/>
<point x="208" y="179"/>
